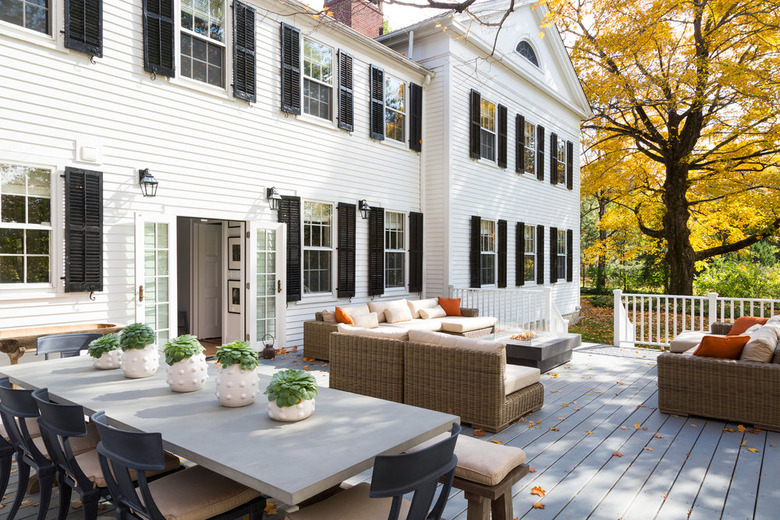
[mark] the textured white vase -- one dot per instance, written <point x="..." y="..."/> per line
<point x="237" y="387"/>
<point x="296" y="412"/>
<point x="137" y="363"/>
<point x="108" y="361"/>
<point x="188" y="374"/>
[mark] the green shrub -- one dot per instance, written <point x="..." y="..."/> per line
<point x="289" y="387"/>
<point x="136" y="336"/>
<point x="182" y="347"/>
<point x="103" y="344"/>
<point x="738" y="279"/>
<point x="237" y="353"/>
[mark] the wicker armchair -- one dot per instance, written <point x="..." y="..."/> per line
<point x="367" y="366"/>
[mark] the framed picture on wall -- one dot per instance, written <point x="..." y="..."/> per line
<point x="234" y="253"/>
<point x="234" y="296"/>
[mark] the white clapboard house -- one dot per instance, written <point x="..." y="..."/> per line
<point x="264" y="132"/>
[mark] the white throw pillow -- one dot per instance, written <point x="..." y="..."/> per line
<point x="434" y="312"/>
<point x="415" y="306"/>
<point x="329" y="316"/>
<point x="368" y="321"/>
<point x="761" y="346"/>
<point x="380" y="307"/>
<point x="398" y="314"/>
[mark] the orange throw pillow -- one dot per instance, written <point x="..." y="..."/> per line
<point x="726" y="348"/>
<point x="343" y="317"/>
<point x="744" y="323"/>
<point x="450" y="305"/>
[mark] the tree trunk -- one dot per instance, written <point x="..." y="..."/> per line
<point x="680" y="255"/>
<point x="601" y="266"/>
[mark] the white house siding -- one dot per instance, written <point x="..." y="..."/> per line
<point x="212" y="154"/>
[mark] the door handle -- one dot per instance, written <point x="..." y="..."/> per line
<point x="140" y="293"/>
<point x="278" y="286"/>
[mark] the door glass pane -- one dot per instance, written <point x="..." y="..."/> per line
<point x="157" y="281"/>
<point x="266" y="284"/>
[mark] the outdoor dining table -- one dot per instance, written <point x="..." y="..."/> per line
<point x="290" y="462"/>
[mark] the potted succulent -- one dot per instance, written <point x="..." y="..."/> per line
<point x="140" y="357"/>
<point x="291" y="395"/>
<point x="237" y="378"/>
<point x="187" y="370"/>
<point x="105" y="352"/>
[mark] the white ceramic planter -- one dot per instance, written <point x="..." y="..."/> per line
<point x="188" y="374"/>
<point x="296" y="412"/>
<point x="138" y="363"/>
<point x="108" y="361"/>
<point x="237" y="387"/>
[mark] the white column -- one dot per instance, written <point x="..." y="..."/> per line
<point x="617" y="317"/>
<point x="713" y="317"/>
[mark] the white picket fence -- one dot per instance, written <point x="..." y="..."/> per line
<point x="516" y="308"/>
<point x="655" y="319"/>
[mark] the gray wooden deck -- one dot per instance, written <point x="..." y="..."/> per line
<point x="598" y="406"/>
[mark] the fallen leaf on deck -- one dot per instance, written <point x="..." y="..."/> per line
<point x="752" y="450"/>
<point x="743" y="443"/>
<point x="771" y="445"/>
<point x="657" y="436"/>
<point x="479" y="433"/>
<point x="27" y="502"/>
<point x="617" y="454"/>
<point x="496" y="442"/>
<point x="565" y="405"/>
<point x="538" y="505"/>
<point x="553" y="429"/>
<point x="648" y="448"/>
<point x="640" y="406"/>
<point x="589" y="432"/>
<point x="637" y="425"/>
<point x="624" y="427"/>
<point x="577" y="409"/>
<point x="270" y="508"/>
<point x="555" y="375"/>
<point x="531" y="470"/>
<point x="597" y="392"/>
<point x="574" y="402"/>
<point x="693" y="425"/>
<point x="561" y="418"/>
<point x="732" y="430"/>
<point x="664" y="496"/>
<point x="554" y="391"/>
<point x="308" y="359"/>
<point x="620" y="383"/>
<point x="77" y="506"/>
<point x="644" y="429"/>
<point x="741" y="429"/>
<point x="754" y="431"/>
<point x="538" y="491"/>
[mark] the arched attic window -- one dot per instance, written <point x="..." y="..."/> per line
<point x="526" y="51"/>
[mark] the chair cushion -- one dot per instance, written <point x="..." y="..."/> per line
<point x="353" y="503"/>
<point x="89" y="463"/>
<point x="517" y="377"/>
<point x="729" y="347"/>
<point x="460" y="324"/>
<point x="415" y="306"/>
<point x="398" y="314"/>
<point x="687" y="339"/>
<point x="197" y="493"/>
<point x="32" y="427"/>
<point x="368" y="321"/>
<point x="448" y="340"/>
<point x="381" y="306"/>
<point x="761" y="346"/>
<point x="379" y="332"/>
<point x="743" y="323"/>
<point x="433" y="312"/>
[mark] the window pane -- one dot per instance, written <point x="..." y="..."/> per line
<point x="11" y="269"/>
<point x="39" y="182"/>
<point x="37" y="242"/>
<point x="12" y="208"/>
<point x="11" y="241"/>
<point x="36" y="18"/>
<point x="12" y="11"/>
<point x="37" y="269"/>
<point x="39" y="210"/>
<point x="529" y="268"/>
<point x="487" y="145"/>
<point x="487" y="270"/>
<point x="395" y="94"/>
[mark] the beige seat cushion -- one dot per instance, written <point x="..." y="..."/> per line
<point x="517" y="377"/>
<point x="430" y="325"/>
<point x="761" y="346"/>
<point x="197" y="493"/>
<point x="89" y="463"/>
<point x="350" y="504"/>
<point x="379" y="332"/>
<point x="380" y="307"/>
<point x="32" y="427"/>
<point x="448" y="340"/>
<point x="460" y="324"/>
<point x="416" y="305"/>
<point x="688" y="339"/>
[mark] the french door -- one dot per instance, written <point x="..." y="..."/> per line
<point x="265" y="286"/>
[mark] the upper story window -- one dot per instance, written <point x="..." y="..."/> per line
<point x="487" y="264"/>
<point x="30" y="14"/>
<point x="317" y="79"/>
<point x="529" y="256"/>
<point x="487" y="142"/>
<point x="395" y="108"/>
<point x="395" y="252"/>
<point x="529" y="148"/>
<point x="525" y="50"/>
<point x="25" y="224"/>
<point x="561" y="158"/>
<point x="561" y="254"/>
<point x="317" y="247"/>
<point x="203" y="41"/>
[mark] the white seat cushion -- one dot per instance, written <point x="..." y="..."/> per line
<point x="431" y="325"/>
<point x="448" y="340"/>
<point x="353" y="503"/>
<point x="379" y="332"/>
<point x="687" y="339"/>
<point x="460" y="324"/>
<point x="517" y="377"/>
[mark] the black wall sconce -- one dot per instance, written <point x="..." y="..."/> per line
<point x="364" y="208"/>
<point x="148" y="183"/>
<point x="273" y="198"/>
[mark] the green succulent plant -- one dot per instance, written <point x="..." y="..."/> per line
<point x="291" y="386"/>
<point x="182" y="347"/>
<point x="237" y="353"/>
<point x="136" y="336"/>
<point x="103" y="344"/>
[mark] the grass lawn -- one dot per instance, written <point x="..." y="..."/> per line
<point x="595" y="323"/>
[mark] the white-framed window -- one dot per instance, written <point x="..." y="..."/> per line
<point x="395" y="109"/>
<point x="561" y="158"/>
<point x="34" y="15"/>
<point x="529" y="148"/>
<point x="529" y="253"/>
<point x="202" y="41"/>
<point x="487" y="255"/>
<point x="317" y="79"/>
<point x="487" y="133"/>
<point x="525" y="50"/>
<point x="317" y="247"/>
<point x="395" y="249"/>
<point x="561" y="254"/>
<point x="25" y="225"/>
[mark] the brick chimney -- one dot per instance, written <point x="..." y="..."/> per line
<point x="364" y="16"/>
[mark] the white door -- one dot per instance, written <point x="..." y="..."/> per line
<point x="155" y="268"/>
<point x="265" y="284"/>
<point x="207" y="289"/>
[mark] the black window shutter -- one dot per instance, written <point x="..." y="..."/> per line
<point x="244" y="58"/>
<point x="83" y="230"/>
<point x="346" y="250"/>
<point x="540" y="152"/>
<point x="475" y="110"/>
<point x="475" y="252"/>
<point x="520" y="254"/>
<point x="554" y="158"/>
<point x="569" y="255"/>
<point x="553" y="255"/>
<point x="519" y="144"/>
<point x="415" y="117"/>
<point x="502" y="252"/>
<point x="291" y="69"/>
<point x="290" y="214"/>
<point x="415" y="252"/>
<point x="346" y="97"/>
<point x="84" y="26"/>
<point x="377" y="108"/>
<point x="158" y="37"/>
<point x="502" y="136"/>
<point x="540" y="255"/>
<point x="376" y="251"/>
<point x="569" y="164"/>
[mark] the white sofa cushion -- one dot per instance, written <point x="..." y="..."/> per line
<point x="368" y="321"/>
<point x="433" y="312"/>
<point x="517" y="377"/>
<point x="448" y="340"/>
<point x="416" y="305"/>
<point x="379" y="307"/>
<point x="688" y="339"/>
<point x="761" y="346"/>
<point x="379" y="332"/>
<point x="360" y="309"/>
<point x="398" y="314"/>
<point x="431" y="325"/>
<point x="460" y="324"/>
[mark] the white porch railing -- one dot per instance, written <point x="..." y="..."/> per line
<point x="516" y="308"/>
<point x="655" y="319"/>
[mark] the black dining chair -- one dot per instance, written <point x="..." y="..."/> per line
<point x="67" y="345"/>
<point x="195" y="492"/>
<point x="16" y="406"/>
<point x="394" y="476"/>
<point x="7" y="451"/>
